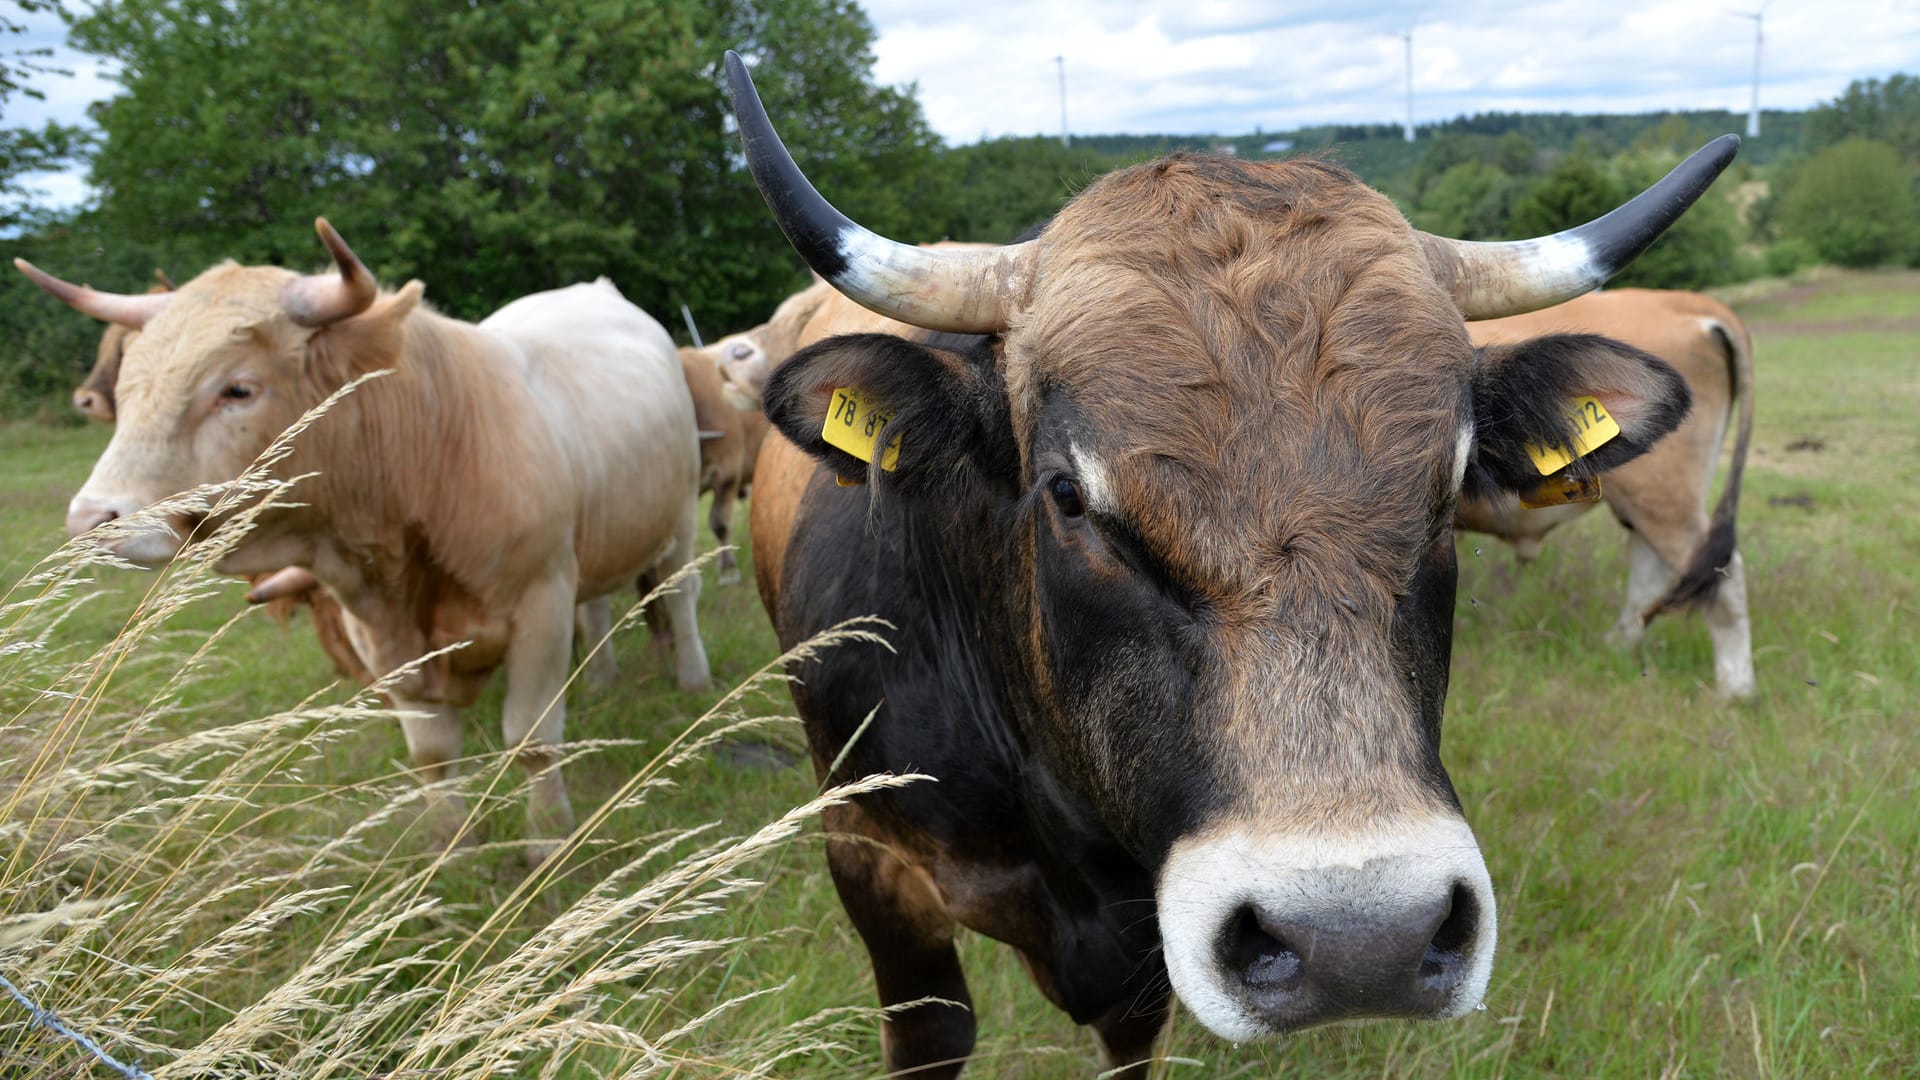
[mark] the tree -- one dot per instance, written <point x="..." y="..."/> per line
<point x="497" y="149"/>
<point x="28" y="150"/>
<point x="1003" y="186"/>
<point x="1887" y="111"/>
<point x="1852" y="203"/>
<point x="1470" y="201"/>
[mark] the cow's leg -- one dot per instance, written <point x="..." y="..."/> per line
<point x="909" y="939"/>
<point x="386" y="643"/>
<point x="1648" y="576"/>
<point x="1126" y="1033"/>
<point x="534" y="717"/>
<point x="592" y="623"/>
<point x="720" y="519"/>
<point x="690" y="669"/>
<point x="1732" y="634"/>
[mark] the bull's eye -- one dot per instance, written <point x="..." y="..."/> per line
<point x="237" y="392"/>
<point x="1066" y="496"/>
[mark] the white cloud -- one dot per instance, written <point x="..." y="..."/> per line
<point x="1227" y="65"/>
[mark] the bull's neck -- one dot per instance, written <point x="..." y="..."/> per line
<point x="412" y="452"/>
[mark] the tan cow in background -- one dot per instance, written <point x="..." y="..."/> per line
<point x="94" y="398"/>
<point x="499" y="472"/>
<point x="730" y="438"/>
<point x="1680" y="553"/>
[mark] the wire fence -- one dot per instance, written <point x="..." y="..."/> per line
<point x="46" y="1019"/>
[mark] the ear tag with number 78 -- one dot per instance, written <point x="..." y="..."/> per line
<point x="856" y="425"/>
<point x="1593" y="427"/>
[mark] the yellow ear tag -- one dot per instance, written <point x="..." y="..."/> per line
<point x="1561" y="490"/>
<point x="855" y="425"/>
<point x="1593" y="428"/>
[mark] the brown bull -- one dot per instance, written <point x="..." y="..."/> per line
<point x="1680" y="553"/>
<point x="1166" y="541"/>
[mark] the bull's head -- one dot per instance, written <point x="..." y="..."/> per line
<point x="216" y="370"/>
<point x="1227" y="408"/>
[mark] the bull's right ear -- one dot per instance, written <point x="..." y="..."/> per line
<point x="947" y="408"/>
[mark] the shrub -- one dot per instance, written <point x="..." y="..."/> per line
<point x="1852" y="203"/>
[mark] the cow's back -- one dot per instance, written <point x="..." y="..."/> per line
<point x="606" y="376"/>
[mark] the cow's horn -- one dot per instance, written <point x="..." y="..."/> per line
<point x="968" y="292"/>
<point x="319" y="299"/>
<point x="130" y="311"/>
<point x="1492" y="280"/>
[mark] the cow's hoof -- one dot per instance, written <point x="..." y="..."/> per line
<point x="729" y="576"/>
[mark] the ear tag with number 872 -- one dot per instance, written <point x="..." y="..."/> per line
<point x="1593" y="427"/>
<point x="856" y="425"/>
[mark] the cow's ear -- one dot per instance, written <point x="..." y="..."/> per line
<point x="947" y="408"/>
<point x="1530" y="394"/>
<point x="369" y="341"/>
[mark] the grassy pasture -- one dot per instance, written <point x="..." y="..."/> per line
<point x="1684" y="888"/>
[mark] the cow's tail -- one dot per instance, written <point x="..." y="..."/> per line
<point x="1704" y="573"/>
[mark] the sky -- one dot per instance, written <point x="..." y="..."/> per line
<point x="1236" y="66"/>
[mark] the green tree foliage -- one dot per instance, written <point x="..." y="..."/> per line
<point x="496" y="149"/>
<point x="1003" y="186"/>
<point x="1852" y="203"/>
<point x="1470" y="201"/>
<point x="27" y="150"/>
<point x="1888" y="112"/>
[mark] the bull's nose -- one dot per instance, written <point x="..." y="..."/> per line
<point x="85" y="514"/>
<point x="1269" y="931"/>
<point x="1299" y="967"/>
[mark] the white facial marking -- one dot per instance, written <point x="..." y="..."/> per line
<point x="1462" y="447"/>
<point x="1091" y="472"/>
<point x="1208" y="879"/>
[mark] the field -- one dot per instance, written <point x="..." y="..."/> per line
<point x="1685" y="888"/>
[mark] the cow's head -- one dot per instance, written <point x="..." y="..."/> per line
<point x="216" y="370"/>
<point x="743" y="365"/>
<point x="1229" y="407"/>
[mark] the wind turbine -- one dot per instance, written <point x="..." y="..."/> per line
<point x="1065" y="139"/>
<point x="1409" y="126"/>
<point x="1753" y="111"/>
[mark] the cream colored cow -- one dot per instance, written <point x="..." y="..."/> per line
<point x="497" y="473"/>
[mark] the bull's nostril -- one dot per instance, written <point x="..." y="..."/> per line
<point x="1454" y="937"/>
<point x="1265" y="962"/>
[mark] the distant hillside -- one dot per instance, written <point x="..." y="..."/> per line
<point x="1379" y="154"/>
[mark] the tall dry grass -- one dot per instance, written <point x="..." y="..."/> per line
<point x="200" y="893"/>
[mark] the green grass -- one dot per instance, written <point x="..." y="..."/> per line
<point x="1684" y="888"/>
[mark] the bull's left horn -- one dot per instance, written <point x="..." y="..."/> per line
<point x="319" y="299"/>
<point x="966" y="292"/>
<point x="130" y="311"/>
<point x="1489" y="281"/>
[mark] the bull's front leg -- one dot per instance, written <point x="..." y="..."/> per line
<point x="539" y="654"/>
<point x="384" y="642"/>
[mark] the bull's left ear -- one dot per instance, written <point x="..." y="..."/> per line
<point x="945" y="406"/>
<point x="365" y="342"/>
<point x="1529" y="394"/>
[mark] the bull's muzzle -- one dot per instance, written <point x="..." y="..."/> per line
<point x="149" y="542"/>
<point x="1266" y="935"/>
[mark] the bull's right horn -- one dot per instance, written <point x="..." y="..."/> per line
<point x="319" y="299"/>
<point x="1491" y="280"/>
<point x="129" y="311"/>
<point x="964" y="292"/>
